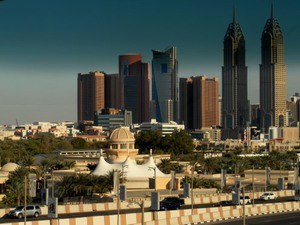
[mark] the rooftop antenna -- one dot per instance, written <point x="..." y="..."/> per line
<point x="272" y="9"/>
<point x="234" y="17"/>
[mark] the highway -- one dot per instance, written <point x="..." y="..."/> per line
<point x="135" y="210"/>
<point x="289" y="218"/>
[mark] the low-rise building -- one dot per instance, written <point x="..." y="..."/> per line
<point x="165" y="128"/>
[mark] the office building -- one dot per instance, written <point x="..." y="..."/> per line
<point x="134" y="83"/>
<point x="254" y="115"/>
<point x="272" y="76"/>
<point x="235" y="112"/>
<point x="165" y="85"/>
<point x="112" y="91"/>
<point x="199" y="102"/>
<point x="90" y="95"/>
<point x="110" y="118"/>
<point x="165" y="128"/>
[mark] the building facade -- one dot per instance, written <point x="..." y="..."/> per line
<point x="110" y="118"/>
<point x="199" y="102"/>
<point x="134" y="84"/>
<point x="112" y="91"/>
<point x="165" y="85"/>
<point x="235" y="112"/>
<point x="272" y="76"/>
<point x="90" y="95"/>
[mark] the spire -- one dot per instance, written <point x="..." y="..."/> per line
<point x="234" y="19"/>
<point x="272" y="10"/>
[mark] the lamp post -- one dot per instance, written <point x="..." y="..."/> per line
<point x="244" y="214"/>
<point x="192" y="186"/>
<point x="252" y="185"/>
<point x="52" y="184"/>
<point x="142" y="205"/>
<point x="25" y="198"/>
<point x="123" y="167"/>
<point x="154" y="169"/>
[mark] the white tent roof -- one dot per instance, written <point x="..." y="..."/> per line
<point x="129" y="167"/>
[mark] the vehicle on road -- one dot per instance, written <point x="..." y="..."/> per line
<point x="171" y="203"/>
<point x="268" y="196"/>
<point x="31" y="211"/>
<point x="247" y="200"/>
<point x="223" y="203"/>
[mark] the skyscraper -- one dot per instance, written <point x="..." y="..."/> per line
<point x="272" y="76"/>
<point x="165" y="84"/>
<point x="90" y="95"/>
<point x="199" y="102"/>
<point x="112" y="91"/>
<point x="134" y="81"/>
<point x="235" y="112"/>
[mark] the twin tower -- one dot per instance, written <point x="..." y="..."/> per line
<point x="272" y="82"/>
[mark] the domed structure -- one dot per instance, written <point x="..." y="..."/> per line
<point x="121" y="145"/>
<point x="9" y="167"/>
<point x="121" y="134"/>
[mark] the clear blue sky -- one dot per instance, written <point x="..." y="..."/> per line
<point x="45" y="43"/>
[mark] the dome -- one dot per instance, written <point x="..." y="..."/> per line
<point x="9" y="167"/>
<point x="121" y="134"/>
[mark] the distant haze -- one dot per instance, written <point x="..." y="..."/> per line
<point x="44" y="44"/>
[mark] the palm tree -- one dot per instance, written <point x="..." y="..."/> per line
<point x="15" y="186"/>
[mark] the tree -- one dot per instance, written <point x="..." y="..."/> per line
<point x="78" y="143"/>
<point x="85" y="184"/>
<point x="15" y="187"/>
<point x="166" y="166"/>
<point x="202" y="183"/>
<point x="146" y="140"/>
<point x="179" y="142"/>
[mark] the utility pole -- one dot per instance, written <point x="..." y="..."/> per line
<point x="25" y="199"/>
<point x="253" y="185"/>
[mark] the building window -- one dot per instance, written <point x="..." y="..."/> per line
<point x="164" y="68"/>
<point x="123" y="146"/>
<point x="114" y="146"/>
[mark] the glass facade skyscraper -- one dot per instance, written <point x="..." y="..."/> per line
<point x="165" y="84"/>
<point x="272" y="76"/>
<point x="235" y="111"/>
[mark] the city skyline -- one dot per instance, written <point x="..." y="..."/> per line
<point x="44" y="45"/>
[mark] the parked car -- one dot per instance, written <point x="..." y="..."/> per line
<point x="223" y="203"/>
<point x="31" y="210"/>
<point x="268" y="196"/>
<point x="247" y="200"/>
<point x="171" y="203"/>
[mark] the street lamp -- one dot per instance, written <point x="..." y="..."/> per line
<point x="154" y="169"/>
<point x="192" y="185"/>
<point x="244" y="216"/>
<point x="123" y="167"/>
<point x="25" y="198"/>
<point x="252" y="185"/>
<point x="243" y="206"/>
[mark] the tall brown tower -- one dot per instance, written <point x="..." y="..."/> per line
<point x="199" y="103"/>
<point x="90" y="95"/>
<point x="272" y="76"/>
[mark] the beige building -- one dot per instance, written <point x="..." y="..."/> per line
<point x="272" y="76"/>
<point x="121" y="156"/>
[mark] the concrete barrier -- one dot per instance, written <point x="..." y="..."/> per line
<point x="165" y="217"/>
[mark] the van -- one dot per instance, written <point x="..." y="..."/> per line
<point x="31" y="210"/>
